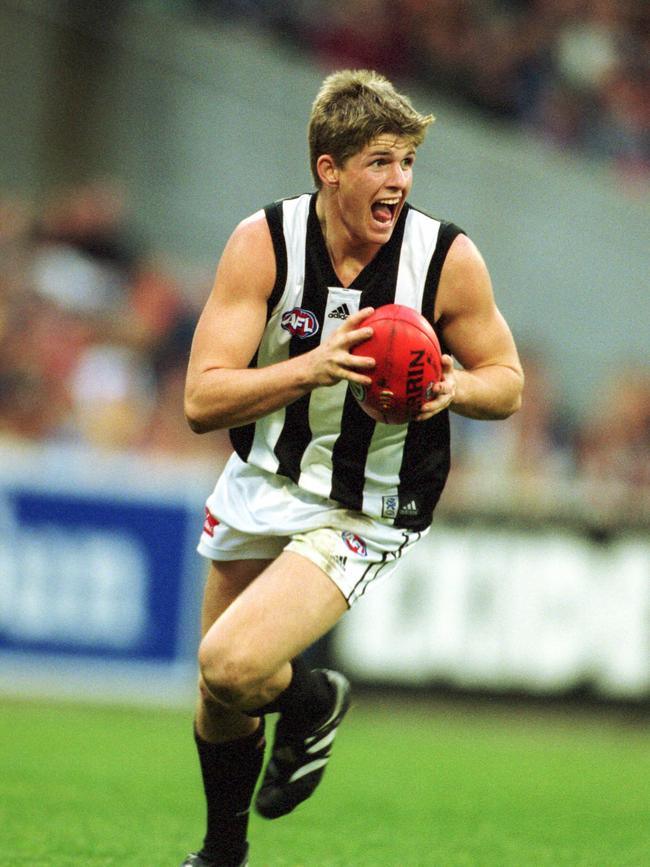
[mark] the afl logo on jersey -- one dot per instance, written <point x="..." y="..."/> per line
<point x="355" y="543"/>
<point x="300" y="322"/>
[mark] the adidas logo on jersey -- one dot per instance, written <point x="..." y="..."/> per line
<point x="340" y="312"/>
<point x="410" y="508"/>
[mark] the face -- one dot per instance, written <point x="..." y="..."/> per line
<point x="371" y="188"/>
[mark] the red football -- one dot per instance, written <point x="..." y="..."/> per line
<point x="409" y="363"/>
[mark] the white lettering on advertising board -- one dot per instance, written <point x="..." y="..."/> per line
<point x="74" y="588"/>
<point x="508" y="609"/>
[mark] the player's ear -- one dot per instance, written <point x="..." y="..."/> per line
<point x="327" y="170"/>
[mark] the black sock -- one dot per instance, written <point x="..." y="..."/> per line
<point x="230" y="771"/>
<point x="304" y="702"/>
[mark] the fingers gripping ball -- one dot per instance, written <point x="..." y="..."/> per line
<point x="409" y="363"/>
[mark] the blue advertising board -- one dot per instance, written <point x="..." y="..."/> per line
<point x="97" y="566"/>
<point x="92" y="576"/>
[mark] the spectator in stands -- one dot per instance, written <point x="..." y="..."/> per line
<point x="528" y="451"/>
<point x="613" y="449"/>
<point x="361" y="33"/>
<point x="90" y="328"/>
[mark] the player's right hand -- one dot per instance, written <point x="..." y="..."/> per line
<point x="332" y="361"/>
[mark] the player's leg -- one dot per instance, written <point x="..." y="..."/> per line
<point x="230" y="744"/>
<point x="245" y="655"/>
<point x="250" y="661"/>
<point x="225" y="582"/>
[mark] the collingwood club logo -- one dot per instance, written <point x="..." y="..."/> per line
<point x="389" y="506"/>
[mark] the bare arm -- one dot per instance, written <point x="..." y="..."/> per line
<point x="490" y="384"/>
<point x="221" y="391"/>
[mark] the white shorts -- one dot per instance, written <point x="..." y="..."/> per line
<point x="252" y="514"/>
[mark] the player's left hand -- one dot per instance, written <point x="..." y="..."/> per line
<point x="444" y="391"/>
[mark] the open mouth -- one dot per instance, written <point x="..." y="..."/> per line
<point x="384" y="210"/>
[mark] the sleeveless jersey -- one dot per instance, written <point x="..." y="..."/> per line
<point x="324" y="441"/>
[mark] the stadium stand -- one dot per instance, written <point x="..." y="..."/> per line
<point x="574" y="73"/>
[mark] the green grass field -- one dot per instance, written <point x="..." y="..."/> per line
<point x="409" y="786"/>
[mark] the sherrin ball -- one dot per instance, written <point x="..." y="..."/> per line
<point x="408" y="364"/>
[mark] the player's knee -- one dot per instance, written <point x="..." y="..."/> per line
<point x="228" y="677"/>
<point x="208" y="699"/>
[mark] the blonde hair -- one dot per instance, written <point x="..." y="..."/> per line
<point x="352" y="108"/>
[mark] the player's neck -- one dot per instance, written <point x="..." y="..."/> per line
<point x="348" y="255"/>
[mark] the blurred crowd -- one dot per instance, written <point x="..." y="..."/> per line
<point x="95" y="330"/>
<point x="576" y="73"/>
<point x="95" y="333"/>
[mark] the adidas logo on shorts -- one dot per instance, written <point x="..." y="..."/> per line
<point x="340" y="312"/>
<point x="410" y="508"/>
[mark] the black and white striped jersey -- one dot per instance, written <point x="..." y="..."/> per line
<point x="324" y="441"/>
